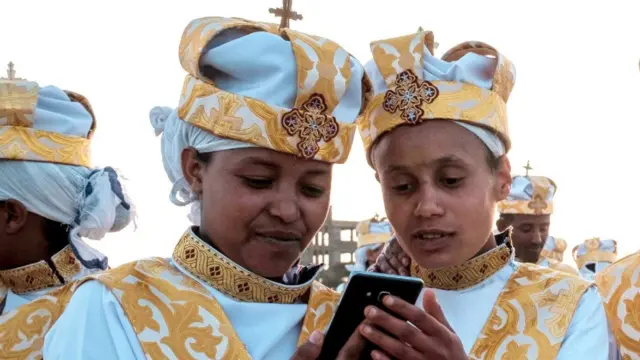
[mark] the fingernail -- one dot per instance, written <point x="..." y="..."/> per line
<point x="369" y="311"/>
<point x="367" y="329"/>
<point x="316" y="337"/>
<point x="405" y="262"/>
<point x="388" y="300"/>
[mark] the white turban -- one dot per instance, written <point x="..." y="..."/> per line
<point x="91" y="202"/>
<point x="176" y="136"/>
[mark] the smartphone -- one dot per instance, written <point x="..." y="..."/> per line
<point x="362" y="290"/>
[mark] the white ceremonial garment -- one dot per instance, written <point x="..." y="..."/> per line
<point x="95" y="326"/>
<point x="467" y="311"/>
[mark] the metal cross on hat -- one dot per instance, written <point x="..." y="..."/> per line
<point x="285" y="13"/>
<point x="11" y="73"/>
<point x="527" y="168"/>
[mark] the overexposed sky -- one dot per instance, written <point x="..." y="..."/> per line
<point x="572" y="111"/>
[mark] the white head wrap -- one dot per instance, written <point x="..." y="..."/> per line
<point x="91" y="202"/>
<point x="259" y="65"/>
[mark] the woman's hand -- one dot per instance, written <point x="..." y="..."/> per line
<point x="431" y="338"/>
<point x="393" y="260"/>
<point x="312" y="348"/>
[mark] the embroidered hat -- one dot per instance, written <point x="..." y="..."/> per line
<point x="530" y="195"/>
<point x="554" y="248"/>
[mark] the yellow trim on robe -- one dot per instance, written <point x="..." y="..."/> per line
<point x="22" y="330"/>
<point x="147" y="279"/>
<point x="174" y="294"/>
<point x="619" y="285"/>
<point x="531" y="316"/>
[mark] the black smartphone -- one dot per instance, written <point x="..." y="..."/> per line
<point x="362" y="290"/>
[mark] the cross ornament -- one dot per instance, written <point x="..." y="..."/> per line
<point x="538" y="204"/>
<point x="11" y="73"/>
<point x="527" y="168"/>
<point x="285" y="13"/>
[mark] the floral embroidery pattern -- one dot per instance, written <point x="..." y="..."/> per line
<point x="409" y="95"/>
<point x="538" y="204"/>
<point x="311" y="125"/>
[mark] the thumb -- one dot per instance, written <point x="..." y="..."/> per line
<point x="311" y="349"/>
<point x="432" y="307"/>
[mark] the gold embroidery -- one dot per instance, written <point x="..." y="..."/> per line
<point x="37" y="145"/>
<point x="538" y="205"/>
<point x="40" y="275"/>
<point x="619" y="285"/>
<point x="465" y="275"/>
<point x="17" y="103"/>
<point x="20" y="141"/>
<point x="178" y="304"/>
<point x="22" y="330"/>
<point x="454" y="101"/>
<point x="172" y="314"/>
<point x="32" y="277"/>
<point x="324" y="72"/>
<point x="221" y="273"/>
<point x="322" y="306"/>
<point x="535" y="308"/>
<point x="66" y="264"/>
<point x="311" y="125"/>
<point x="408" y="97"/>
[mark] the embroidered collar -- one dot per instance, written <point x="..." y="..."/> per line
<point x="210" y="266"/>
<point x="41" y="275"/>
<point x="470" y="273"/>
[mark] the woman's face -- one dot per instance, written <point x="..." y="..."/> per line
<point x="439" y="192"/>
<point x="260" y="208"/>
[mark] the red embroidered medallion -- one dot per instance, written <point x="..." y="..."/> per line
<point x="409" y="95"/>
<point x="311" y="125"/>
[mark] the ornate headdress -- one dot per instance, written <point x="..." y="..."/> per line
<point x="44" y="124"/>
<point x="530" y="195"/>
<point x="470" y="84"/>
<point x="373" y="231"/>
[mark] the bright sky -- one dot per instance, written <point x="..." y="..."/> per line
<point x="575" y="97"/>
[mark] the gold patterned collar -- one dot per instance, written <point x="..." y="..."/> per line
<point x="41" y="275"/>
<point x="210" y="266"/>
<point x="470" y="273"/>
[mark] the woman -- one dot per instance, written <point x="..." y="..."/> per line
<point x="436" y="134"/>
<point x="50" y="196"/>
<point x="264" y="113"/>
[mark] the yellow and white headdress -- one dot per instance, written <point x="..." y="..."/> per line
<point x="554" y="248"/>
<point x="470" y="85"/>
<point x="373" y="231"/>
<point x="601" y="253"/>
<point x="44" y="124"/>
<point x="530" y="195"/>
<point x="45" y="164"/>
<point x="252" y="84"/>
<point x="270" y="87"/>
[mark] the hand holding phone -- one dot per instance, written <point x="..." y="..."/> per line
<point x="363" y="290"/>
<point x="412" y="333"/>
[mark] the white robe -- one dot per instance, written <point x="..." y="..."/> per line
<point x="467" y="311"/>
<point x="94" y="326"/>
